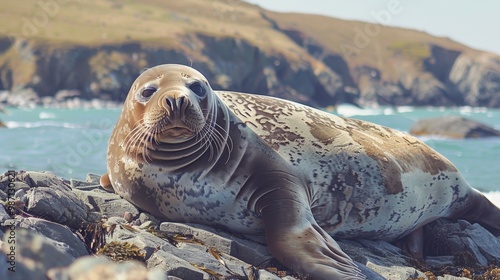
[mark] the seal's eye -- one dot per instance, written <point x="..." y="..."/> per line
<point x="198" y="89"/>
<point x="148" y="92"/>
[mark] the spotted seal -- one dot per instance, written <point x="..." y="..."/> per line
<point x="262" y="165"/>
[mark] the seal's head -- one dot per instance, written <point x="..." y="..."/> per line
<point x="169" y="107"/>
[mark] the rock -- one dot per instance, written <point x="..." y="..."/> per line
<point x="477" y="78"/>
<point x="266" y="275"/>
<point x="93" y="179"/>
<point x="201" y="252"/>
<point x="35" y="255"/>
<point x="142" y="239"/>
<point x="61" y="236"/>
<point x="383" y="260"/>
<point x="378" y="252"/>
<point x="4" y="216"/>
<point x="243" y="249"/>
<point x="42" y="179"/>
<point x="146" y="217"/>
<point x="469" y="244"/>
<point x="61" y="206"/>
<point x="201" y="256"/>
<point x="83" y="185"/>
<point x="452" y="127"/>
<point x="107" y="203"/>
<point x="45" y="195"/>
<point x="103" y="268"/>
<point x="175" y="266"/>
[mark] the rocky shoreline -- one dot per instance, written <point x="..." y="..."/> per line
<point x="72" y="229"/>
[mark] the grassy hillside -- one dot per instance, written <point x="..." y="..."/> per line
<point x="336" y="57"/>
<point x="94" y="22"/>
<point x="361" y="43"/>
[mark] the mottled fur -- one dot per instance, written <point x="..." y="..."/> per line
<point x="262" y="165"/>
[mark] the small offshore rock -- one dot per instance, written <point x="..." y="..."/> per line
<point x="453" y="127"/>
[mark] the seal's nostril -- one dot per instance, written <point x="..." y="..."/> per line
<point x="170" y="102"/>
<point x="176" y="103"/>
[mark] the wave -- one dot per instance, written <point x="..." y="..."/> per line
<point x="494" y="197"/>
<point x="46" y="115"/>
<point x="348" y="110"/>
<point x="12" y="124"/>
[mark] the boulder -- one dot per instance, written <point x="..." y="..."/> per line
<point x="452" y="127"/>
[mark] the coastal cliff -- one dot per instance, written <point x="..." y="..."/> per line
<point x="315" y="60"/>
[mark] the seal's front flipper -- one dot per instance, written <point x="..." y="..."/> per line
<point x="106" y="183"/>
<point x="309" y="250"/>
<point x="295" y="239"/>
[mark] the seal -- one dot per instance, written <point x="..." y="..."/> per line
<point x="262" y="165"/>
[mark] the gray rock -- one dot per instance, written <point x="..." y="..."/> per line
<point x="379" y="259"/>
<point x="452" y="127"/>
<point x="144" y="217"/>
<point x="109" y="204"/>
<point x="4" y="268"/>
<point x="35" y="255"/>
<point x="200" y="255"/>
<point x="450" y="277"/>
<point x="393" y="272"/>
<point x="377" y="252"/>
<point x="266" y="275"/>
<point x="63" y="238"/>
<point x="4" y="216"/>
<point x="469" y="244"/>
<point x="175" y="266"/>
<point x="243" y="249"/>
<point x="142" y="239"/>
<point x="477" y="79"/>
<point x="369" y="272"/>
<point x="93" y="179"/>
<point x="43" y="179"/>
<point x="58" y="205"/>
<point x="102" y="268"/>
<point x="439" y="261"/>
<point x="3" y="195"/>
<point x="83" y="185"/>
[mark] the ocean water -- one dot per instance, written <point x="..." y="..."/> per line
<point x="72" y="142"/>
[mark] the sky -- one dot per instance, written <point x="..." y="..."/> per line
<point x="472" y="23"/>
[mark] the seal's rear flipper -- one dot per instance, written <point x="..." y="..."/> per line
<point x="106" y="183"/>
<point x="482" y="211"/>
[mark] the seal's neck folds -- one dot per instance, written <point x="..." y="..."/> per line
<point x="209" y="146"/>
